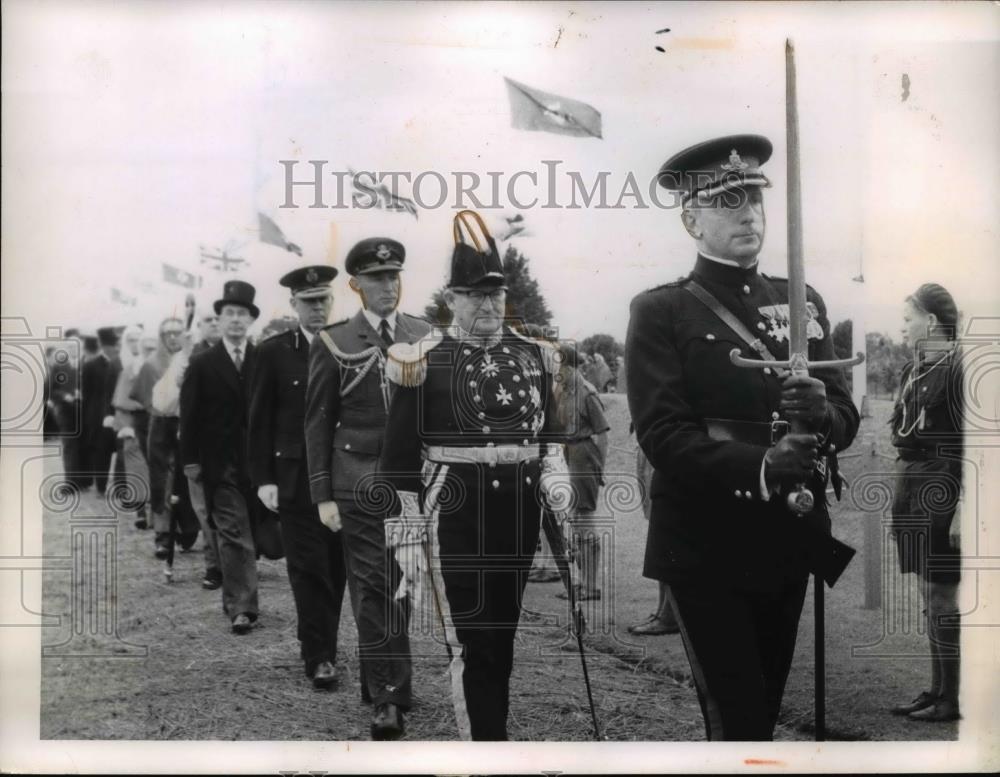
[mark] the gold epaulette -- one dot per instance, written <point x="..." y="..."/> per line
<point x="551" y="355"/>
<point x="406" y="364"/>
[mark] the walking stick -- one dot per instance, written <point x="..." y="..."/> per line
<point x="800" y="500"/>
<point x="553" y="533"/>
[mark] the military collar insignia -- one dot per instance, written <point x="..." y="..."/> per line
<point x="778" y="327"/>
<point x="383" y="252"/>
<point x="735" y="163"/>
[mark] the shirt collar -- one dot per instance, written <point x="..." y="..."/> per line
<point x="306" y="334"/>
<point x="724" y="271"/>
<point x="375" y="320"/>
<point x="231" y="349"/>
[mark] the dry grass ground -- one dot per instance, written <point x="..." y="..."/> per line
<point x="176" y="672"/>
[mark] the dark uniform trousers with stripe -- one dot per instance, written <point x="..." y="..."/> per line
<point x="484" y="548"/>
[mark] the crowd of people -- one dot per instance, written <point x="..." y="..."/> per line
<point x="342" y="447"/>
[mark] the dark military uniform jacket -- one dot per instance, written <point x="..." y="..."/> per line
<point x="463" y="395"/>
<point x="346" y="403"/>
<point x="277" y="416"/>
<point x="709" y="518"/>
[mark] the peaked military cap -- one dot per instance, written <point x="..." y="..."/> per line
<point x="715" y="166"/>
<point x="375" y="254"/>
<point x="309" y="282"/>
<point x="477" y="262"/>
<point x="237" y="293"/>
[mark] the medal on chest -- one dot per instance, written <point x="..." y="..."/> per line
<point x="778" y="322"/>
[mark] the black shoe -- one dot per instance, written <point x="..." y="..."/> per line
<point x="924" y="700"/>
<point x="941" y="711"/>
<point x="242" y="624"/>
<point x="387" y="722"/>
<point x="212" y="581"/>
<point x="140" y="523"/>
<point x="653" y="627"/>
<point x="161" y="552"/>
<point x="324" y="676"/>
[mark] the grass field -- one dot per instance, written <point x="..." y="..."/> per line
<point x="170" y="669"/>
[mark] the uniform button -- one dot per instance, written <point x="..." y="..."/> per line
<point x="520" y="393"/>
<point x="517" y="378"/>
<point x="490" y="445"/>
<point x="472" y="383"/>
<point x="746" y="289"/>
<point x="524" y="424"/>
<point x="747" y="494"/>
<point x="506" y="350"/>
<point x="277" y="453"/>
<point x="338" y="425"/>
<point x="709" y="336"/>
<point x="496" y="484"/>
<point x="347" y="447"/>
<point x="775" y="416"/>
<point x="761" y="326"/>
<point x="528" y="481"/>
<point x="477" y="398"/>
<point x="467" y="352"/>
<point x="468" y="368"/>
<point x="924" y="388"/>
<point x="295" y="383"/>
<point x="767" y="370"/>
<point x="486" y="429"/>
<point x="482" y="414"/>
<point x="738" y="494"/>
<point x="524" y="442"/>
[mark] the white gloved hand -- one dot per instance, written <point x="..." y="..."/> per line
<point x="329" y="515"/>
<point x="408" y="536"/>
<point x="555" y="483"/>
<point x="268" y="495"/>
<point x="126" y="433"/>
<point x="108" y="422"/>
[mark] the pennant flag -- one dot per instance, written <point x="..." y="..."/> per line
<point x="397" y="201"/>
<point x="117" y="295"/>
<point x="179" y="277"/>
<point x="271" y="234"/>
<point x="533" y="109"/>
<point x="513" y="225"/>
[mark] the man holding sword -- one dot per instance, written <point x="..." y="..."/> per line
<point x="735" y="556"/>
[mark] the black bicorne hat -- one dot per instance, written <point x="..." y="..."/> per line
<point x="477" y="262"/>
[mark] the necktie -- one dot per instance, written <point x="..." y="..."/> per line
<point x="238" y="359"/>
<point x="383" y="329"/>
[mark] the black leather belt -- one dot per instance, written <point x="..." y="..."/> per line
<point x="765" y="433"/>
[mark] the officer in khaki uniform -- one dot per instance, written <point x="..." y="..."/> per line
<point x="346" y="404"/>
<point x="721" y="534"/>
<point x="279" y="472"/>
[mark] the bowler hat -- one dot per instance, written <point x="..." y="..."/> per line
<point x="237" y="293"/>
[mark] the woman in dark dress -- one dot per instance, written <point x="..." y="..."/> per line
<point x="927" y="433"/>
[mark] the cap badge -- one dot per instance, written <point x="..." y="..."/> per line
<point x="311" y="276"/>
<point x="735" y="163"/>
<point x="383" y="252"/>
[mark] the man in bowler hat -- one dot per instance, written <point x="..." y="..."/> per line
<point x="279" y="471"/>
<point x="213" y="429"/>
<point x="346" y="404"/>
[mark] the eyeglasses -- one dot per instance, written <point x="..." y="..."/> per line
<point x="497" y="295"/>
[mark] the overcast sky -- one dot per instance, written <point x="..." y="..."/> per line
<point x="133" y="132"/>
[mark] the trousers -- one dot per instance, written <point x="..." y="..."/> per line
<point x="740" y="646"/>
<point x="483" y="548"/>
<point x="237" y="554"/>
<point x="382" y="621"/>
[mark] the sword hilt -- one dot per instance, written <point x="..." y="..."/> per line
<point x="759" y="364"/>
<point x="800" y="499"/>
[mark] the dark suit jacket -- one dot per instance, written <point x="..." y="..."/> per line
<point x="214" y="412"/>
<point x="97" y="373"/>
<point x="709" y="519"/>
<point x="344" y="431"/>
<point x="277" y="413"/>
